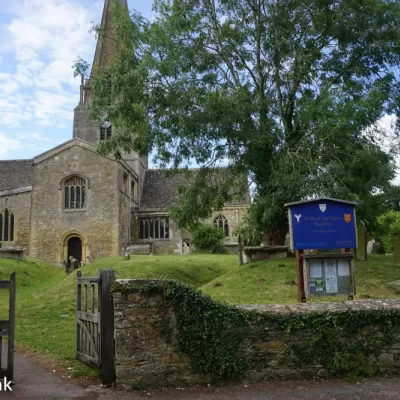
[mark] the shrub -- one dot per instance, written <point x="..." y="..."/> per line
<point x="208" y="238"/>
<point x="389" y="228"/>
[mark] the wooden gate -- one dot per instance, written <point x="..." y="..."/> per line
<point x="7" y="328"/>
<point x="95" y="323"/>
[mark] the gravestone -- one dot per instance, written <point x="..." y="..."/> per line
<point x="396" y="252"/>
<point x="361" y="252"/>
<point x="73" y="263"/>
<point x="186" y="248"/>
<point x="373" y="247"/>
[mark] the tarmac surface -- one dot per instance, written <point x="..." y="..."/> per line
<point x="33" y="381"/>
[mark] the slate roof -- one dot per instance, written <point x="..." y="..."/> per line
<point x="161" y="190"/>
<point x="15" y="174"/>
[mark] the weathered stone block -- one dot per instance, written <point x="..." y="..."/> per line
<point x="15" y="253"/>
<point x="386" y="359"/>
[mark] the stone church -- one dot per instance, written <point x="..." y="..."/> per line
<point x="70" y="201"/>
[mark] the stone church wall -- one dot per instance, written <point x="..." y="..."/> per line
<point x="20" y="206"/>
<point x="173" y="245"/>
<point x="84" y="127"/>
<point x="234" y="215"/>
<point x="97" y="225"/>
<point x="124" y="204"/>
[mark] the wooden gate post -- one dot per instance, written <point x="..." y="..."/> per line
<point x="11" y="327"/>
<point x="107" y="350"/>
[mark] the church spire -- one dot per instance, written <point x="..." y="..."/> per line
<point x="106" y="48"/>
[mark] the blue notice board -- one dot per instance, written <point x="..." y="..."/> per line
<point x="322" y="224"/>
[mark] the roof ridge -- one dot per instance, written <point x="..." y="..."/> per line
<point x="18" y="159"/>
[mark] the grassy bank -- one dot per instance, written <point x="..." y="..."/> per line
<point x="46" y="297"/>
<point x="273" y="282"/>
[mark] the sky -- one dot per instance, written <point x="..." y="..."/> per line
<point x="40" y="39"/>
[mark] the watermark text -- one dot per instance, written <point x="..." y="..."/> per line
<point x="5" y="385"/>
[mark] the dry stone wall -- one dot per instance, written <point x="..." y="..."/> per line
<point x="167" y="334"/>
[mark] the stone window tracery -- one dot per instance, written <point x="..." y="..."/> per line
<point x="105" y="131"/>
<point x="154" y="227"/>
<point x="7" y="226"/>
<point x="221" y="222"/>
<point x="75" y="193"/>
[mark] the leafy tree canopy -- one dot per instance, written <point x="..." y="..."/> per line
<point x="388" y="229"/>
<point x="283" y="90"/>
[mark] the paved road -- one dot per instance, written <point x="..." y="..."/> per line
<point x="32" y="381"/>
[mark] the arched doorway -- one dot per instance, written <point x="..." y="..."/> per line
<point x="75" y="248"/>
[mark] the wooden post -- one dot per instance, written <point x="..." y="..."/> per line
<point x="78" y="308"/>
<point x="301" y="295"/>
<point x="240" y="250"/>
<point x="11" y="327"/>
<point x="107" y="328"/>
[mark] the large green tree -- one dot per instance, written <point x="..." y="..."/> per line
<point x="281" y="89"/>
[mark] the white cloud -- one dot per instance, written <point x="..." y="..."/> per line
<point x="9" y="87"/>
<point x="7" y="144"/>
<point x="34" y="137"/>
<point x="44" y="37"/>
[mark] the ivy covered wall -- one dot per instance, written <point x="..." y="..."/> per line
<point x="166" y="333"/>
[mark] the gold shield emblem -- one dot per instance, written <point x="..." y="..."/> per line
<point x="347" y="217"/>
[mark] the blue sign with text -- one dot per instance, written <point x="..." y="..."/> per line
<point x="322" y="224"/>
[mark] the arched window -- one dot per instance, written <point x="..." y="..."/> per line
<point x="74" y="193"/>
<point x="6" y="226"/>
<point x="105" y="131"/>
<point x="221" y="222"/>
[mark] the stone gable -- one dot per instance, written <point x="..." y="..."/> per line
<point x="96" y="225"/>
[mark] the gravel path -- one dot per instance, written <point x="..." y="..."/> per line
<point x="33" y="381"/>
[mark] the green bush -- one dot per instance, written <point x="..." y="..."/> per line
<point x="388" y="229"/>
<point x="208" y="238"/>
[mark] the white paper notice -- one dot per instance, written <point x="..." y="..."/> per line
<point x="343" y="268"/>
<point x="315" y="269"/>
<point x="331" y="278"/>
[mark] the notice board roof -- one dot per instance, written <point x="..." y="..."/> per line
<point x="296" y="203"/>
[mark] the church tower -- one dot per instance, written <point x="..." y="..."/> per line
<point x="84" y="127"/>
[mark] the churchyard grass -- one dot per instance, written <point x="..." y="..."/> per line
<point x="46" y="299"/>
<point x="273" y="282"/>
<point x="45" y="321"/>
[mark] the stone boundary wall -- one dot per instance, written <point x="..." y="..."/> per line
<point x="147" y="335"/>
